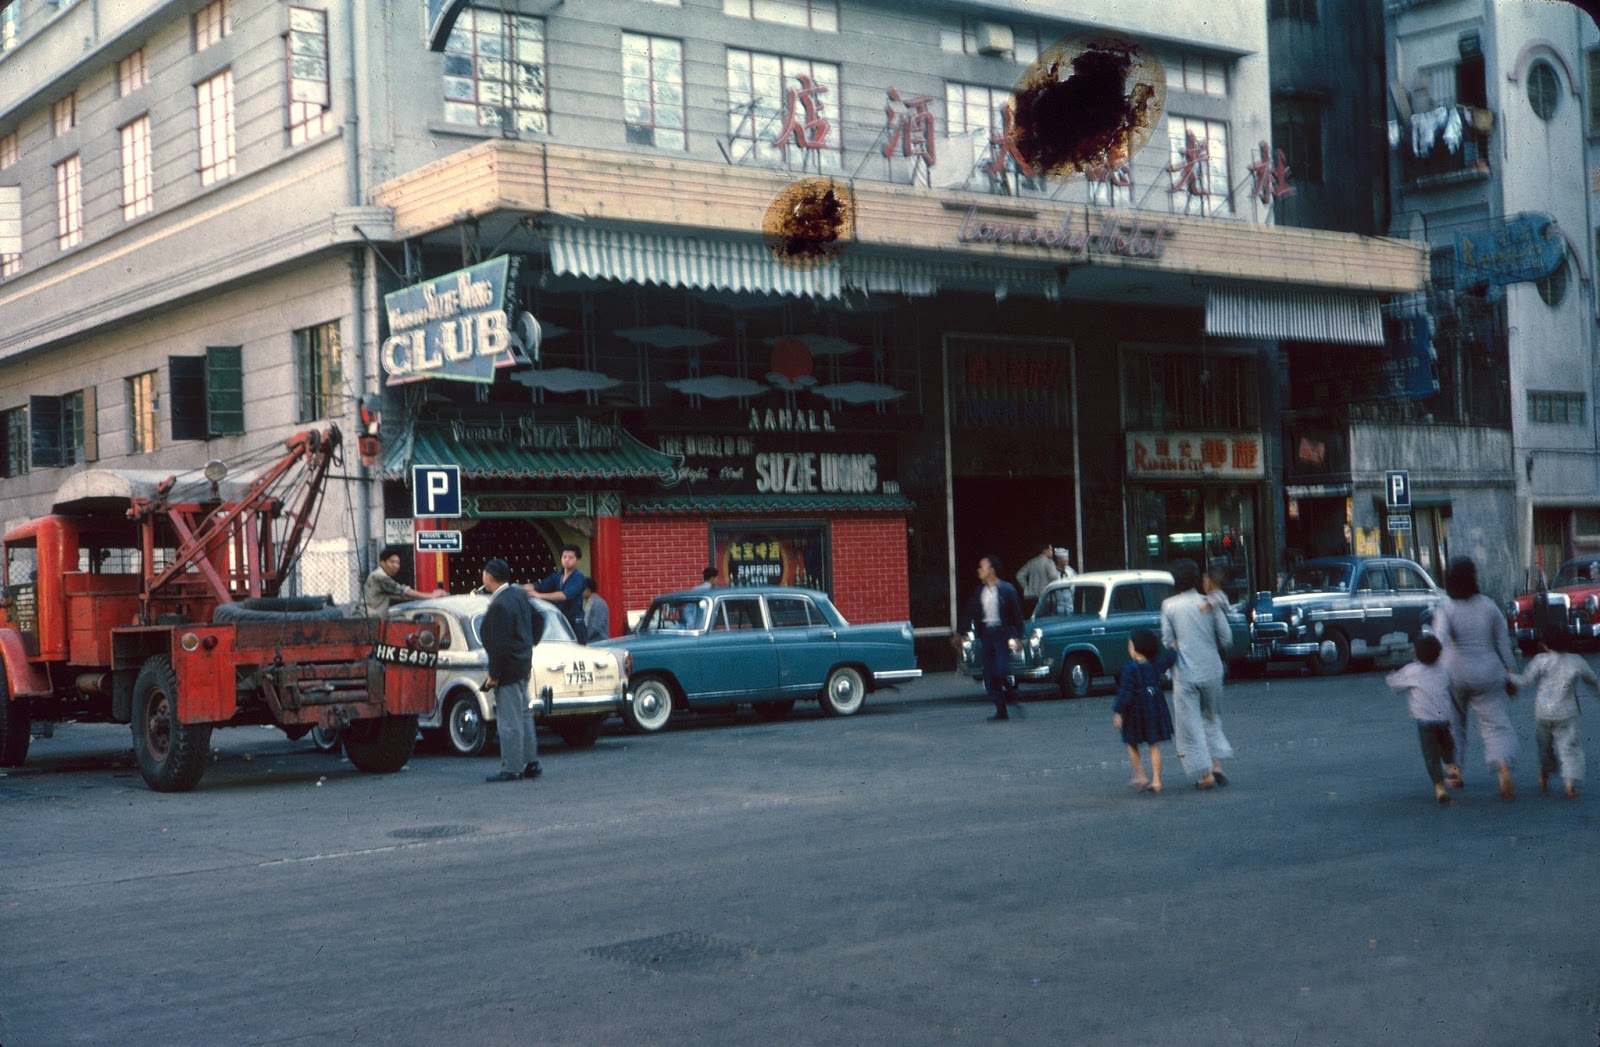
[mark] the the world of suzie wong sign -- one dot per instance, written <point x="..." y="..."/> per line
<point x="453" y="327"/>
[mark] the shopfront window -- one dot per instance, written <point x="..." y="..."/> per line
<point x="772" y="554"/>
<point x="1213" y="525"/>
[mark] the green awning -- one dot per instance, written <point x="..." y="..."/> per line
<point x="657" y="505"/>
<point x="530" y="451"/>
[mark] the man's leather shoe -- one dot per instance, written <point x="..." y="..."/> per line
<point x="533" y="770"/>
<point x="504" y="776"/>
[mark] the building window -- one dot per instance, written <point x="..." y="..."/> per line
<point x="973" y="109"/>
<point x="652" y="90"/>
<point x="10" y="231"/>
<point x="61" y="429"/>
<point x="991" y="39"/>
<point x="1297" y="130"/>
<point x="144" y="417"/>
<point x="214" y="113"/>
<point x="1591" y="69"/>
<point x="1553" y="288"/>
<point x="766" y="95"/>
<point x="15" y="431"/>
<point x="1199" y="166"/>
<point x="1549" y="408"/>
<point x="1184" y="390"/>
<point x="64" y="114"/>
<point x="69" y="202"/>
<point x="207" y="393"/>
<point x="821" y="15"/>
<point x="8" y="27"/>
<point x="138" y="179"/>
<point x="10" y="153"/>
<point x="211" y="24"/>
<point x="317" y="371"/>
<point x="1299" y="10"/>
<point x="1544" y="90"/>
<point x="1201" y="75"/>
<point x="494" y="72"/>
<point x="310" y="96"/>
<point x="132" y="73"/>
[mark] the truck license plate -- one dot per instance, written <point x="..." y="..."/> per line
<point x="388" y="652"/>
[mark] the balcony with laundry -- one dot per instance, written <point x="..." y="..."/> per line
<point x="1441" y="127"/>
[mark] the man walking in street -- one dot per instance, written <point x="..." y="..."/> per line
<point x="507" y="633"/>
<point x="564" y="588"/>
<point x="995" y="615"/>
<point x="382" y="588"/>
<point x="596" y="615"/>
<point x="1036" y="574"/>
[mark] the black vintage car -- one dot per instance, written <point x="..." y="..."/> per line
<point x="1336" y="609"/>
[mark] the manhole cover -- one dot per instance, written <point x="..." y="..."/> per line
<point x="677" y="951"/>
<point x="433" y="832"/>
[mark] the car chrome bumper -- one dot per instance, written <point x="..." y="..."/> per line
<point x="896" y="675"/>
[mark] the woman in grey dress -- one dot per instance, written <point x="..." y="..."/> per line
<point x="1477" y="651"/>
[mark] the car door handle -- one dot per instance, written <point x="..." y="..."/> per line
<point x="1098" y="630"/>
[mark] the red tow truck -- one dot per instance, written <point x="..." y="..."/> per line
<point x="154" y="601"/>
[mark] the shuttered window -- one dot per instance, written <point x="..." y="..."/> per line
<point x="207" y="393"/>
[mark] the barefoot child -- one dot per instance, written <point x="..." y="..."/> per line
<point x="1427" y="685"/>
<point x="1555" y="710"/>
<point x="1140" y="711"/>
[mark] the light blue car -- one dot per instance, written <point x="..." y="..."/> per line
<point x="767" y="647"/>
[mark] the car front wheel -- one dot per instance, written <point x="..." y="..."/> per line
<point x="844" y="693"/>
<point x="1333" y="654"/>
<point x="651" y="706"/>
<point x="465" y="729"/>
<point x="1076" y="677"/>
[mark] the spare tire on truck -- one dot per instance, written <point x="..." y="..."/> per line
<point x="278" y="609"/>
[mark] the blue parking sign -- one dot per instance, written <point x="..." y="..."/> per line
<point x="1397" y="489"/>
<point x="436" y="491"/>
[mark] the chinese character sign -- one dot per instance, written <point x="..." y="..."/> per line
<point x="909" y="124"/>
<point x="805" y="121"/>
<point x="1222" y="456"/>
<point x="1270" y="181"/>
<point x="1003" y="145"/>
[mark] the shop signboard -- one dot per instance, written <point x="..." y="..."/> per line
<point x="772" y="554"/>
<point x="454" y="327"/>
<point x="815" y="456"/>
<point x="1522" y="248"/>
<point x="1195" y="456"/>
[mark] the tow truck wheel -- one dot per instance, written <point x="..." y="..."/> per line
<point x="381" y="746"/>
<point x="171" y="756"/>
<point x="14" y="727"/>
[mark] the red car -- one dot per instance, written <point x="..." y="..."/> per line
<point x="1570" y="605"/>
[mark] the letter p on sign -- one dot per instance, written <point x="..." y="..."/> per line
<point x="1397" y="489"/>
<point x="436" y="491"/>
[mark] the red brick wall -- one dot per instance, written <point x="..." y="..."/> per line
<point x="665" y="553"/>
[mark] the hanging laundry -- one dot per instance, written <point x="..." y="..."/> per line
<point x="1394" y="134"/>
<point x="1453" y="130"/>
<point x="1425" y="129"/>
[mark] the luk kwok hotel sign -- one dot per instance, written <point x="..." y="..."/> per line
<point x="452" y="327"/>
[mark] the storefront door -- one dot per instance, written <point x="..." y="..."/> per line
<point x="1212" y="524"/>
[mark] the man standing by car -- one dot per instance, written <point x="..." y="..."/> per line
<point x="382" y="588"/>
<point x="596" y="615"/>
<point x="507" y="633"/>
<point x="1037" y="574"/>
<point x="995" y="614"/>
<point x="564" y="588"/>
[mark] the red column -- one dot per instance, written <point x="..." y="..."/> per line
<point x="433" y="571"/>
<point x="606" y="557"/>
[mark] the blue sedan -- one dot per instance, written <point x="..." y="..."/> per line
<point x="768" y="647"/>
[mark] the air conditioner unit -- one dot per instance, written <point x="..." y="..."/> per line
<point x="995" y="39"/>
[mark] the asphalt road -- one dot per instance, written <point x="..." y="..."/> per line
<point x="910" y="875"/>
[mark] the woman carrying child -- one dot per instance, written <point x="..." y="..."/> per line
<point x="1140" y="711"/>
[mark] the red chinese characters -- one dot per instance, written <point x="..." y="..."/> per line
<point x="910" y="127"/>
<point x="1270" y="181"/>
<point x="811" y="131"/>
<point x="1003" y="144"/>
<point x="1191" y="174"/>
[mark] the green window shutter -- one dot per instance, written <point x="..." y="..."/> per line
<point x="187" y="404"/>
<point x="225" y="389"/>
<point x="44" y="423"/>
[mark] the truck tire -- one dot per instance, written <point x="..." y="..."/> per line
<point x="171" y="756"/>
<point x="14" y="727"/>
<point x="243" y="612"/>
<point x="579" y="732"/>
<point x="381" y="746"/>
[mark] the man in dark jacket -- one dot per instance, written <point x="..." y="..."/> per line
<point x="995" y="614"/>
<point x="507" y="632"/>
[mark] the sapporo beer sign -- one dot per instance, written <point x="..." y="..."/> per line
<point x="453" y="327"/>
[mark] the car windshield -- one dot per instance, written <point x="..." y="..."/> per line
<point x="1318" y="578"/>
<point x="677" y="615"/>
<point x="1578" y="572"/>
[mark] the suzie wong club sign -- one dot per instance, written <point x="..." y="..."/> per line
<point x="452" y="327"/>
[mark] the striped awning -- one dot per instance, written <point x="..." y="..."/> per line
<point x="747" y="266"/>
<point x="613" y="454"/>
<point x="1308" y="317"/>
<point x="684" y="261"/>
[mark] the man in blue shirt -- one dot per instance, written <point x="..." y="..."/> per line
<point x="564" y="588"/>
